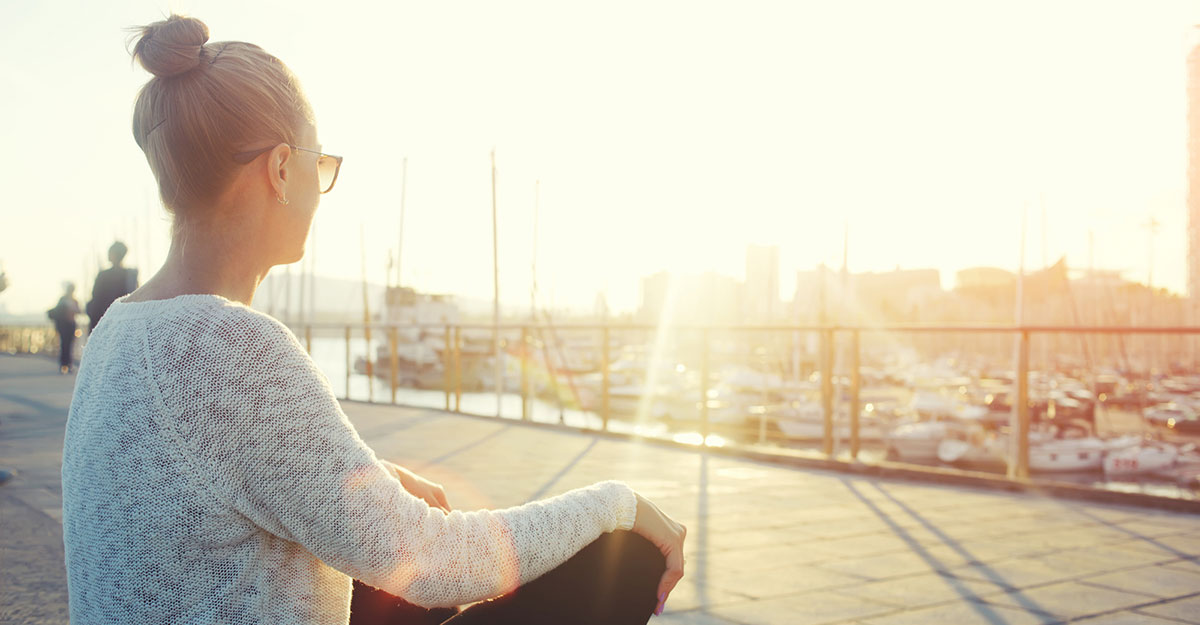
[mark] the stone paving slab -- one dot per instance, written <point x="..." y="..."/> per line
<point x="1128" y="618"/>
<point x="766" y="543"/>
<point x="926" y="589"/>
<point x="964" y="613"/>
<point x="1186" y="610"/>
<point x="1068" y="600"/>
<point x="1157" y="581"/>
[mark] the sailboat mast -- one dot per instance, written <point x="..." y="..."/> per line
<point x="497" y="380"/>
<point x="537" y="200"/>
<point x="362" y="245"/>
<point x="400" y="243"/>
<point x="1020" y="313"/>
<point x="312" y="275"/>
<point x="303" y="288"/>
<point x="1018" y="442"/>
<point x="287" y="295"/>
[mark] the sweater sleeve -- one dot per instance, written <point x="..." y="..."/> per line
<point x="262" y="425"/>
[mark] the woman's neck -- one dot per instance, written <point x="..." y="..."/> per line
<point x="198" y="268"/>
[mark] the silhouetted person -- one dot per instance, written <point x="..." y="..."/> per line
<point x="111" y="283"/>
<point x="63" y="315"/>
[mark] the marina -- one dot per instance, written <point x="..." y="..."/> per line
<point x="1138" y="436"/>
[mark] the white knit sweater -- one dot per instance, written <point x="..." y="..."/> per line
<point x="210" y="476"/>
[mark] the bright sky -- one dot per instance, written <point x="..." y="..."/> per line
<point x="666" y="135"/>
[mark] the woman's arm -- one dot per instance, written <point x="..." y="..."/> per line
<point x="261" y="422"/>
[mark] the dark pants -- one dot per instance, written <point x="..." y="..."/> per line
<point x="612" y="581"/>
<point x="66" y="340"/>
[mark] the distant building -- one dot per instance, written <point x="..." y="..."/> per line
<point x="986" y="278"/>
<point x="902" y="294"/>
<point x="600" y="308"/>
<point x="653" y="296"/>
<point x="407" y="306"/>
<point x="887" y="296"/>
<point x="990" y="294"/>
<point x="708" y="298"/>
<point x="815" y="294"/>
<point x="761" y="303"/>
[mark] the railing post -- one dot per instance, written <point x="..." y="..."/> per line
<point x="308" y="339"/>
<point x="854" y="388"/>
<point x="457" y="369"/>
<point x="1018" y="444"/>
<point x="394" y="357"/>
<point x="370" y="363"/>
<point x="446" y="359"/>
<point x="827" y="389"/>
<point x="604" y="377"/>
<point x="703" y="386"/>
<point x="347" y="362"/>
<point x="523" y="354"/>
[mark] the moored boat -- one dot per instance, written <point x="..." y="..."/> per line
<point x="1147" y="457"/>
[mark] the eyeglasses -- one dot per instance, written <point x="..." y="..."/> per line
<point x="328" y="165"/>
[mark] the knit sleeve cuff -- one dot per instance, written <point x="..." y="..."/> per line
<point x="626" y="508"/>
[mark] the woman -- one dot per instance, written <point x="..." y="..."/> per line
<point x="63" y="314"/>
<point x="209" y="474"/>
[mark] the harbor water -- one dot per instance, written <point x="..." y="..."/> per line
<point x="330" y="354"/>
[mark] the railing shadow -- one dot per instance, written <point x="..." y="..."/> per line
<point x="541" y="492"/>
<point x="40" y="407"/>
<point x="392" y="427"/>
<point x="1137" y="535"/>
<point x="984" y="610"/>
<point x="473" y="444"/>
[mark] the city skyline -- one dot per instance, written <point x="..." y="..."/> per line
<point x="926" y="130"/>
<point x="898" y="295"/>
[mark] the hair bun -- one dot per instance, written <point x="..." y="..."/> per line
<point x="171" y="47"/>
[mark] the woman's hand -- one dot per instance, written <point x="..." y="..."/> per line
<point x="433" y="494"/>
<point x="667" y="535"/>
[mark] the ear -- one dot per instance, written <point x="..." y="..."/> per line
<point x="278" y="161"/>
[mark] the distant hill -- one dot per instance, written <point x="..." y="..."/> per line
<point x="330" y="299"/>
<point x="337" y="299"/>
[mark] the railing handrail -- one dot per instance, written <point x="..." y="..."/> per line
<point x="837" y="328"/>
<point x="984" y="328"/>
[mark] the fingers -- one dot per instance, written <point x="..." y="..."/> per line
<point x="670" y="578"/>
<point x="440" y="494"/>
<point x="434" y="499"/>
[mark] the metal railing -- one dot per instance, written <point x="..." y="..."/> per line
<point x="28" y="339"/>
<point x="836" y="344"/>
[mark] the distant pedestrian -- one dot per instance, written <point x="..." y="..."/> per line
<point x="63" y="314"/>
<point x="112" y="283"/>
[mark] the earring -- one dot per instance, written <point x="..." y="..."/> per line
<point x="281" y="200"/>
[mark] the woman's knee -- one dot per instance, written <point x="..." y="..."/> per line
<point x="611" y="581"/>
<point x="633" y="553"/>
<point x="628" y="564"/>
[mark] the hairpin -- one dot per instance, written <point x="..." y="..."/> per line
<point x="212" y="60"/>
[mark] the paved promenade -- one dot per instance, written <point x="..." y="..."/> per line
<point x="767" y="544"/>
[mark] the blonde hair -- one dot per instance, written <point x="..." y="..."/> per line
<point x="206" y="102"/>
